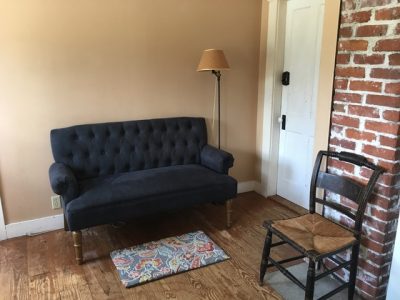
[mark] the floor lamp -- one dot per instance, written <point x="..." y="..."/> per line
<point x="214" y="60"/>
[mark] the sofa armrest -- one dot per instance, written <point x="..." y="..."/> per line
<point x="216" y="159"/>
<point x="63" y="181"/>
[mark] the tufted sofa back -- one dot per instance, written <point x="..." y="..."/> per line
<point x="104" y="149"/>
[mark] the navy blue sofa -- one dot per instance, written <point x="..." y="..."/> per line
<point x="113" y="172"/>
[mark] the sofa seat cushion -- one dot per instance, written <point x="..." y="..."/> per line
<point x="123" y="196"/>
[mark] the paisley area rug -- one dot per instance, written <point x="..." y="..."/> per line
<point x="169" y="256"/>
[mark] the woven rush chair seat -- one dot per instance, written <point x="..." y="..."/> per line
<point x="314" y="232"/>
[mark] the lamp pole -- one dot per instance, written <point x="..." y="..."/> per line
<point x="214" y="60"/>
<point x="218" y="76"/>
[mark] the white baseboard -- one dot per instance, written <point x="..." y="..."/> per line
<point x="35" y="226"/>
<point x="246" y="186"/>
<point x="3" y="235"/>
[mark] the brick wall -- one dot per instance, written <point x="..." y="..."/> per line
<point x="366" y="120"/>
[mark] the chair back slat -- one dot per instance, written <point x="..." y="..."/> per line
<point x="339" y="185"/>
<point x="337" y="207"/>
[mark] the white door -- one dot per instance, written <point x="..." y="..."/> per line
<point x="304" y="21"/>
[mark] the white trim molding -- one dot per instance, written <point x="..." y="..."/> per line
<point x="3" y="231"/>
<point x="272" y="97"/>
<point x="35" y="226"/>
<point x="246" y="186"/>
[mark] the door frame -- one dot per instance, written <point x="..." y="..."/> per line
<point x="273" y="88"/>
<point x="3" y="232"/>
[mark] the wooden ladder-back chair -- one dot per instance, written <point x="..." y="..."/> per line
<point x="316" y="237"/>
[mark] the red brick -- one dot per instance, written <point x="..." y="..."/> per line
<point x="383" y="100"/>
<point x="388" y="154"/>
<point x="341" y="84"/>
<point x="374" y="246"/>
<point x="359" y="180"/>
<point x="347" y="97"/>
<point x="350" y="72"/>
<point x="366" y="172"/>
<point x="370" y="86"/>
<point x="374" y="59"/>
<point x="345" y="121"/>
<point x="386" y="191"/>
<point x="343" y="143"/>
<point x="362" y="16"/>
<point x="369" y="292"/>
<point x="374" y="223"/>
<point x="387" y="45"/>
<point x="397" y="29"/>
<point x="371" y="30"/>
<point x="342" y="59"/>
<point x="373" y="3"/>
<point x="350" y="204"/>
<point x="389" y="142"/>
<point x="381" y="127"/>
<point x="392" y="115"/>
<point x="392" y="88"/>
<point x="360" y="135"/>
<point x="341" y="165"/>
<point x="371" y="280"/>
<point x="363" y="111"/>
<point x="385" y="73"/>
<point x="337" y="129"/>
<point x="378" y="258"/>
<point x="394" y="59"/>
<point x="345" y="32"/>
<point x="353" y="45"/>
<point x="384" y="215"/>
<point x="346" y="221"/>
<point x="338" y="107"/>
<point x="388" y="14"/>
<point x="388" y="179"/>
<point x="381" y="202"/>
<point x="392" y="167"/>
<point x="377" y="271"/>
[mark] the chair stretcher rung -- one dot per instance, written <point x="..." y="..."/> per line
<point x="286" y="260"/>
<point x="278" y="243"/>
<point x="287" y="273"/>
<point x="330" y="271"/>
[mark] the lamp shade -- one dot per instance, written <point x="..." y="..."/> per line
<point x="212" y="59"/>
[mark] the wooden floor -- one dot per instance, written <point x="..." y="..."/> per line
<point x="43" y="266"/>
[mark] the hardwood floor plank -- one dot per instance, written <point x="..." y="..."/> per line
<point x="14" y="279"/>
<point x="43" y="267"/>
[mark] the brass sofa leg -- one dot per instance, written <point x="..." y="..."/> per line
<point x="77" y="237"/>
<point x="228" y="204"/>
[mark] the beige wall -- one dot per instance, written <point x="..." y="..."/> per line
<point x="71" y="62"/>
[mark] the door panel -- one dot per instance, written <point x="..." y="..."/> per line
<point x="302" y="48"/>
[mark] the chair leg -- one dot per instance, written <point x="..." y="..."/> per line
<point x="77" y="238"/>
<point x="265" y="255"/>
<point x="310" y="280"/>
<point x="228" y="213"/>
<point x="353" y="271"/>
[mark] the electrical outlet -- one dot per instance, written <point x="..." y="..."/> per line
<point x="55" y="202"/>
